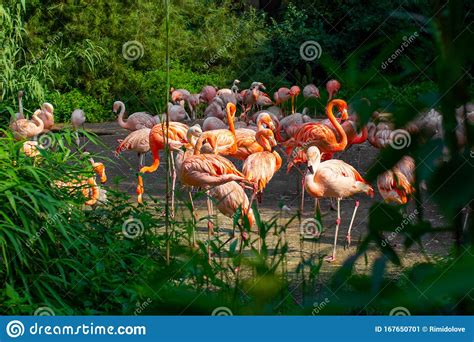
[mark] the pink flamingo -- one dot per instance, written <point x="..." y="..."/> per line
<point x="177" y="113"/>
<point x="334" y="178"/>
<point x="294" y="93"/>
<point x="26" y="129"/>
<point x="78" y="117"/>
<point x="137" y="141"/>
<point x="281" y="96"/>
<point x="135" y="121"/>
<point x="310" y="91"/>
<point x="47" y="116"/>
<point x="207" y="94"/>
<point x="20" y="115"/>
<point x="332" y="87"/>
<point x="215" y="109"/>
<point x="212" y="123"/>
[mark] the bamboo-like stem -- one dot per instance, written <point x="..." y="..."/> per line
<point x="167" y="151"/>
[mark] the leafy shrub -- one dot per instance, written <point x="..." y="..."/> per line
<point x="65" y="103"/>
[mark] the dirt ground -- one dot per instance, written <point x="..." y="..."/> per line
<point x="283" y="189"/>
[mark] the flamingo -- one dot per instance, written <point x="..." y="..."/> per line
<point x="47" y="116"/>
<point x="177" y="113"/>
<point x="332" y="86"/>
<point x="260" y="167"/>
<point x="215" y="109"/>
<point x="176" y="135"/>
<point x="137" y="141"/>
<point x="26" y="129"/>
<point x="395" y="185"/>
<point x="206" y="171"/>
<point x="207" y="94"/>
<point x="223" y="140"/>
<point x="235" y="87"/>
<point x="78" y="117"/>
<point x="212" y="123"/>
<point x="88" y="186"/>
<point x="247" y="143"/>
<point x="20" y="115"/>
<point x="135" y="121"/>
<point x="294" y="92"/>
<point x="230" y="197"/>
<point x="334" y="178"/>
<point x="310" y="91"/>
<point x="282" y="95"/>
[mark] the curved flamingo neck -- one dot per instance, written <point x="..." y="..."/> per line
<point x="342" y="143"/>
<point x="39" y="123"/>
<point x="262" y="138"/>
<point x="230" y="120"/>
<point x="121" y="114"/>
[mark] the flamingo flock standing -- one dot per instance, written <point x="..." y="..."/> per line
<point x="262" y="137"/>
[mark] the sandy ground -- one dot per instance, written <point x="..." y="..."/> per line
<point x="283" y="189"/>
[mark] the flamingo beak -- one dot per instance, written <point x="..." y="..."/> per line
<point x="310" y="169"/>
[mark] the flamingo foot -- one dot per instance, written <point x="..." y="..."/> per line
<point x="347" y="243"/>
<point x="330" y="258"/>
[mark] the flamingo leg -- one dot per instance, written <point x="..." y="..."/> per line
<point x="141" y="161"/>
<point x="83" y="135"/>
<point x="193" y="234"/>
<point x="348" y="237"/>
<point x="210" y="227"/>
<point x="338" y="222"/>
<point x="173" y="184"/>
<point x="302" y="197"/>
<point x="292" y="105"/>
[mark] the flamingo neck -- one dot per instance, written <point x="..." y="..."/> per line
<point x="310" y="184"/>
<point x="121" y="114"/>
<point x="20" y="106"/>
<point x="39" y="123"/>
<point x="342" y="143"/>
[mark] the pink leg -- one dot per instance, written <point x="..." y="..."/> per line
<point x="348" y="237"/>
<point x="302" y="197"/>
<point x="338" y="222"/>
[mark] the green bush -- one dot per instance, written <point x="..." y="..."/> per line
<point x="65" y="103"/>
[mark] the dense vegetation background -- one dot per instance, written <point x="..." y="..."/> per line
<point x="70" y="52"/>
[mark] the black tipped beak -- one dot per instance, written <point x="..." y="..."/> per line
<point x="310" y="169"/>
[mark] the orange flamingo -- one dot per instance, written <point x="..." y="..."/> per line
<point x="395" y="185"/>
<point x="334" y="178"/>
<point x="176" y="135"/>
<point x="247" y="143"/>
<point x="88" y="187"/>
<point x="223" y="140"/>
<point x="260" y="167"/>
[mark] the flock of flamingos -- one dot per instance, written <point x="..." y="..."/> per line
<point x="199" y="155"/>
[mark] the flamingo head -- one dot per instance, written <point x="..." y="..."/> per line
<point x="333" y="87"/>
<point x="47" y="107"/>
<point x="21" y="93"/>
<point x="265" y="118"/>
<point x="231" y="109"/>
<point x="116" y="106"/>
<point x="313" y="154"/>
<point x="295" y="90"/>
